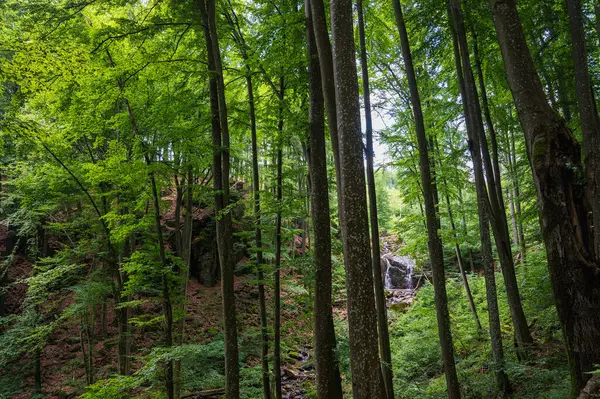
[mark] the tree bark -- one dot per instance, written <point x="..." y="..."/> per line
<point x="557" y="172"/>
<point x="362" y="318"/>
<point x="436" y="252"/>
<point x="323" y="44"/>
<point x="328" y="381"/>
<point x="588" y="114"/>
<point x="380" y="301"/>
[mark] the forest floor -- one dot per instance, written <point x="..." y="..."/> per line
<point x="413" y="333"/>
<point x="63" y="373"/>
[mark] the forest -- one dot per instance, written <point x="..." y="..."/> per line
<point x="370" y="199"/>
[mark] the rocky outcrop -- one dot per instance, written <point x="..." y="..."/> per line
<point x="398" y="271"/>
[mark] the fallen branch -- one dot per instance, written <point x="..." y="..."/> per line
<point x="592" y="388"/>
<point x="205" y="394"/>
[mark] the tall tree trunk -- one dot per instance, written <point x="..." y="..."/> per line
<point x="557" y="171"/>
<point x="38" y="372"/>
<point x="185" y="254"/>
<point x="167" y="304"/>
<point x="588" y="114"/>
<point x="597" y="16"/>
<point x="239" y="37"/>
<point x="90" y="333"/>
<point x="367" y="381"/>
<point x="464" y="219"/>
<point x="277" y="284"/>
<point x="522" y="241"/>
<point x="258" y="242"/>
<point x="220" y="141"/>
<point x="380" y="301"/>
<point x="436" y="252"/>
<point x="510" y="194"/>
<point x="317" y="9"/>
<point x="512" y="156"/>
<point x="484" y="233"/>
<point x="498" y="214"/>
<point x="328" y="384"/>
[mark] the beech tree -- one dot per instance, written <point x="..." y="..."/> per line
<point x="556" y="164"/>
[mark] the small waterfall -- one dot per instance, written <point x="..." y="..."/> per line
<point x="387" y="283"/>
<point x="410" y="266"/>
<point x="398" y="272"/>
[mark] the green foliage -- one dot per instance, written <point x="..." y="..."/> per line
<point x="51" y="275"/>
<point x="119" y="387"/>
<point x="416" y="353"/>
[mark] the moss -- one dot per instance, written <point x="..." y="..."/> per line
<point x="540" y="149"/>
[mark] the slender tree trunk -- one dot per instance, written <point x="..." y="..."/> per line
<point x="492" y="302"/>
<point x="104" y="319"/>
<point x="328" y="382"/>
<point x="362" y="317"/>
<point x="239" y="37"/>
<point x="167" y="304"/>
<point x="185" y="254"/>
<point x="38" y="372"/>
<point x="512" y="156"/>
<point x="84" y="357"/>
<point x="464" y="219"/>
<point x="588" y="114"/>
<point x="220" y="140"/>
<point x="484" y="233"/>
<point x="380" y="301"/>
<point x="513" y="216"/>
<point x="436" y="252"/>
<point x="555" y="162"/>
<point x="258" y="241"/>
<point x="277" y="284"/>
<point x="123" y="325"/>
<point x="327" y="80"/>
<point x="90" y="334"/>
<point x="495" y="200"/>
<point x="597" y="15"/>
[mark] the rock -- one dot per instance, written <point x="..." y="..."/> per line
<point x="290" y="373"/>
<point x="397" y="271"/>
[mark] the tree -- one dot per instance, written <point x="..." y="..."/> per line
<point x="557" y="171"/>
<point x="484" y="212"/>
<point x="328" y="380"/>
<point x="382" y="323"/>
<point x="364" y="357"/>
<point x="588" y="112"/>
<point x="436" y="252"/>
<point x="220" y="166"/>
<point x="497" y="211"/>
